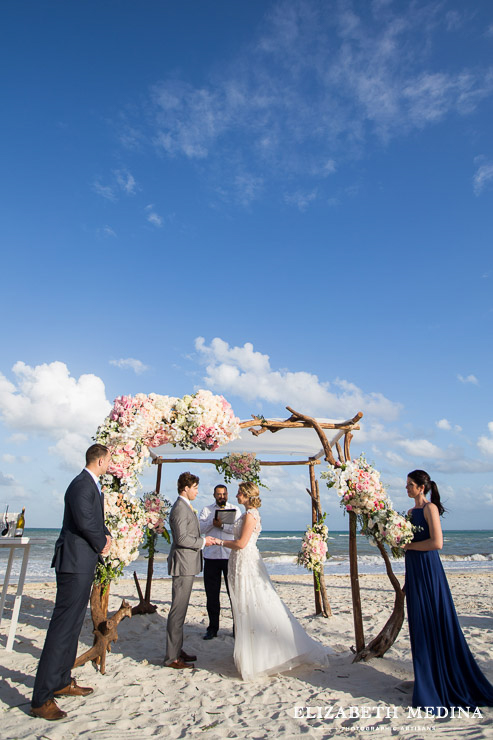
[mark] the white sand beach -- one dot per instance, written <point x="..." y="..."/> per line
<point x="138" y="697"/>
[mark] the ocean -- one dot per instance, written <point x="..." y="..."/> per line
<point x="464" y="550"/>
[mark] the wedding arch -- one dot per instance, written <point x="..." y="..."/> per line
<point x="138" y="425"/>
<point x="257" y="426"/>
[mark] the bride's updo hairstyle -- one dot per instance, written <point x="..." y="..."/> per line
<point x="250" y="490"/>
<point x="421" y="478"/>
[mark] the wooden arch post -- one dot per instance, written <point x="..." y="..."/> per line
<point x="145" y="606"/>
<point x="298" y="420"/>
<point x="322" y="605"/>
<point x="359" y="635"/>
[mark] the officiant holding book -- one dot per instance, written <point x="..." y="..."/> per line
<point x="217" y="520"/>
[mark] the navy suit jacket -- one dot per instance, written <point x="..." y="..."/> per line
<point x="83" y="534"/>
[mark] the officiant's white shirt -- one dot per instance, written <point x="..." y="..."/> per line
<point x="207" y="515"/>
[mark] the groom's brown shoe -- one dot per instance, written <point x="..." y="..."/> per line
<point x="179" y="664"/>
<point x="49" y="710"/>
<point x="188" y="658"/>
<point x="73" y="689"/>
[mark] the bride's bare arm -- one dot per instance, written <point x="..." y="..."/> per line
<point x="248" y="527"/>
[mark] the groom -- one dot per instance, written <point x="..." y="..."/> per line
<point x="184" y="562"/>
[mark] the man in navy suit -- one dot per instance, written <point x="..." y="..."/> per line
<point x="83" y="540"/>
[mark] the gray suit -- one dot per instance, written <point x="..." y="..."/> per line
<point x="184" y="562"/>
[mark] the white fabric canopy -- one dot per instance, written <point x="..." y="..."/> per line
<point x="298" y="442"/>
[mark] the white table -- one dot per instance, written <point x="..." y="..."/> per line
<point x="14" y="543"/>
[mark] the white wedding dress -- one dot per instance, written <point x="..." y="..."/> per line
<point x="268" y="639"/>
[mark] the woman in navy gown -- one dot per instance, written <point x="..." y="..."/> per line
<point x="445" y="672"/>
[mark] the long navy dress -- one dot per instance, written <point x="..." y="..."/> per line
<point x="445" y="672"/>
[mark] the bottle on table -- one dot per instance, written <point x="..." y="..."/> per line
<point x="21" y="523"/>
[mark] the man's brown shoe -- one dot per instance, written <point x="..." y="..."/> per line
<point x="188" y="658"/>
<point x="74" y="690"/>
<point x="48" y="710"/>
<point x="179" y="664"/>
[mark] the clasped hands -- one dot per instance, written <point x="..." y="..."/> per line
<point x="212" y="541"/>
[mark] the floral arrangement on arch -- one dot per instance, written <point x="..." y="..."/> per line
<point x="135" y="424"/>
<point x="314" y="549"/>
<point x="240" y="466"/>
<point x="125" y="518"/>
<point x="156" y="511"/>
<point x="361" y="491"/>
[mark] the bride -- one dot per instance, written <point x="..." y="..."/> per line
<point x="268" y="639"/>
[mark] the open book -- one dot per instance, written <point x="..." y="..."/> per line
<point x="226" y="516"/>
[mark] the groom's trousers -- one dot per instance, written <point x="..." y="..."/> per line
<point x="180" y="598"/>
<point x="60" y="648"/>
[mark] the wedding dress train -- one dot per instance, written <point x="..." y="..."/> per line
<point x="268" y="639"/>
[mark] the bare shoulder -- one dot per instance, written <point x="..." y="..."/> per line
<point x="431" y="508"/>
<point x="431" y="512"/>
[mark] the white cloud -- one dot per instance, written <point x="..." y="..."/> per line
<point x="125" y="181"/>
<point x="11" y="459"/>
<point x="121" y="181"/>
<point x="453" y="20"/>
<point x="6" y="480"/>
<point x="317" y="79"/>
<point x="300" y="200"/>
<point x="246" y="373"/>
<point x="153" y="217"/>
<point x="130" y="362"/>
<point x="394" y="458"/>
<point x="108" y="231"/>
<point x="248" y="187"/>
<point x="18" y="437"/>
<point x="421" y="448"/>
<point x="328" y="168"/>
<point x="105" y="191"/>
<point x="482" y="177"/>
<point x="485" y="444"/>
<point x="468" y="379"/>
<point x="70" y="448"/>
<point x="47" y="400"/>
<point x="446" y="426"/>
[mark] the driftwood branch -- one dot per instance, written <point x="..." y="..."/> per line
<point x="105" y="630"/>
<point x="347" y="444"/>
<point x="144" y="606"/>
<point x="310" y="421"/>
<point x="388" y="634"/>
<point x="295" y="421"/>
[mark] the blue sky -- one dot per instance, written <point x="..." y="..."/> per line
<point x="305" y="186"/>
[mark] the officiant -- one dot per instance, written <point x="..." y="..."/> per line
<point x="217" y="520"/>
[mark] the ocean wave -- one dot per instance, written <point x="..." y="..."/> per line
<point x="477" y="557"/>
<point x="280" y="559"/>
<point x="278" y="539"/>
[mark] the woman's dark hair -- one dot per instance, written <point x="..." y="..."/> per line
<point x="421" y="478"/>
